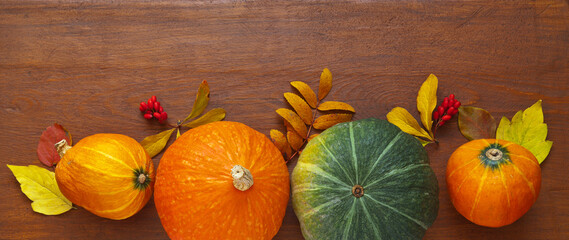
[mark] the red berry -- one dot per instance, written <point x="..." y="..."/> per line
<point x="450" y="110"/>
<point x="142" y="109"/>
<point x="148" y="116"/>
<point x="445" y="102"/>
<point x="164" y="115"/>
<point x="436" y="115"/>
<point x="161" y="109"/>
<point x="441" y="110"/>
<point x="143" y="106"/>
<point x="156" y="106"/>
<point x="446" y="118"/>
<point x="157" y="115"/>
<point x="451" y="96"/>
<point x="454" y="112"/>
<point x="150" y="104"/>
<point x="441" y="123"/>
<point x="457" y="104"/>
<point x="153" y="98"/>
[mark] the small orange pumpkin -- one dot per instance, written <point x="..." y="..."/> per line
<point x="110" y="175"/>
<point x="493" y="182"/>
<point x="222" y="180"/>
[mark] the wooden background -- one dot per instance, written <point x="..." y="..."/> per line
<point x="87" y="65"/>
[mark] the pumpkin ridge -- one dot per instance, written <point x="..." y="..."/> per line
<point x="368" y="216"/>
<point x="336" y="160"/>
<point x="477" y="196"/>
<point x="302" y="188"/>
<point x="126" y="150"/>
<point x="461" y="166"/>
<point x="353" y="146"/>
<point x="503" y="178"/>
<point x="422" y="224"/>
<point x="530" y="184"/>
<point x="382" y="154"/>
<point x="526" y="158"/>
<point x="318" y="171"/>
<point x="95" y="169"/>
<point x="108" y="156"/>
<point x="314" y="210"/>
<point x="392" y="172"/>
<point x="351" y="213"/>
<point x="467" y="176"/>
<point x="124" y="206"/>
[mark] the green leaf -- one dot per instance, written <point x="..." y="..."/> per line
<point x="216" y="114"/>
<point x="476" y="123"/>
<point x="528" y="130"/>
<point x="40" y="186"/>
<point x="427" y="101"/>
<point x="155" y="143"/>
<point x="202" y="98"/>
<point x="401" y="118"/>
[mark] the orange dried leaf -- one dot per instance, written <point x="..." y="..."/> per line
<point x="334" y="105"/>
<point x="294" y="140"/>
<point x="329" y="120"/>
<point x="325" y="83"/>
<point x="306" y="92"/>
<point x="294" y="120"/>
<point x="312" y="137"/>
<point x="300" y="106"/>
<point x="280" y="141"/>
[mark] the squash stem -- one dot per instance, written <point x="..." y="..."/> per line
<point x="62" y="147"/>
<point x="242" y="178"/>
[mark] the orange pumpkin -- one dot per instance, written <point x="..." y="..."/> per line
<point x="222" y="180"/>
<point x="110" y="175"/>
<point x="493" y="182"/>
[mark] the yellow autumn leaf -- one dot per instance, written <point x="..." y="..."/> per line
<point x="280" y="140"/>
<point x="300" y="106"/>
<point x="295" y="140"/>
<point x="40" y="186"/>
<point x="528" y="130"/>
<point x="306" y="92"/>
<point x="329" y="120"/>
<point x="334" y="105"/>
<point x="178" y="133"/>
<point x="427" y="102"/>
<point x="155" y="143"/>
<point x="202" y="99"/>
<point x="216" y="114"/>
<point x="325" y="84"/>
<point x="401" y="118"/>
<point x="294" y="120"/>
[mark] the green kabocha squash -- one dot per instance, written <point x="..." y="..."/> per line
<point x="364" y="180"/>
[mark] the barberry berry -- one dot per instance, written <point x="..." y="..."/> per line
<point x="152" y="109"/>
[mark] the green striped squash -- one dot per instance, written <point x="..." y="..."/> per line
<point x="364" y="180"/>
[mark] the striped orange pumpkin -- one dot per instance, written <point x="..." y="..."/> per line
<point x="110" y="175"/>
<point x="493" y="182"/>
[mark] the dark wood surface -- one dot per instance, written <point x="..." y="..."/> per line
<point x="88" y="65"/>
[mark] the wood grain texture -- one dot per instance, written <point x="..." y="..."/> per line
<point x="87" y="65"/>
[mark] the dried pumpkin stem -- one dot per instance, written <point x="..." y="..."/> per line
<point x="242" y="178"/>
<point x="62" y="147"/>
<point x="494" y="154"/>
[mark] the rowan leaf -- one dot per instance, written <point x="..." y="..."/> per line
<point x="325" y="84"/>
<point x="401" y="118"/>
<point x="335" y="105"/>
<point x="528" y="130"/>
<point x="155" y="143"/>
<point x="300" y="106"/>
<point x="306" y="92"/>
<point x="427" y="101"/>
<point x="325" y="121"/>
<point x="40" y="186"/>
<point x="294" y="120"/>
<point x="216" y="114"/>
<point x="280" y="140"/>
<point x="295" y="140"/>
<point x="476" y="123"/>
<point x="312" y="137"/>
<point x="47" y="153"/>
<point x="202" y="99"/>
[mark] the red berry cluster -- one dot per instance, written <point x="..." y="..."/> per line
<point x="152" y="109"/>
<point x="446" y="110"/>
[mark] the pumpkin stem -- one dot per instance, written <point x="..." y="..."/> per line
<point x="242" y="178"/>
<point x="358" y="191"/>
<point x="494" y="154"/>
<point x="142" y="178"/>
<point x="62" y="147"/>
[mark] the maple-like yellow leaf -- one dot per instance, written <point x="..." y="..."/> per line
<point x="335" y="105"/>
<point x="325" y="83"/>
<point x="427" y="102"/>
<point x="155" y="143"/>
<point x="401" y="118"/>
<point x="202" y="99"/>
<point x="40" y="186"/>
<point x="295" y="121"/>
<point x="300" y="106"/>
<point x="528" y="130"/>
<point x="306" y="92"/>
<point x="329" y="120"/>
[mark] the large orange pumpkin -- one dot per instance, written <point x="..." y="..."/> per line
<point x="110" y="175"/>
<point x="493" y="182"/>
<point x="222" y="180"/>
